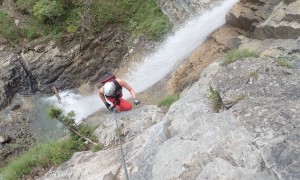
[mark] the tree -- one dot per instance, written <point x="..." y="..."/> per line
<point x="68" y="121"/>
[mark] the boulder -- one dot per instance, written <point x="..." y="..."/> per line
<point x="267" y="19"/>
<point x="283" y="23"/>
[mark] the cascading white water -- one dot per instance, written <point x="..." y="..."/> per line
<point x="154" y="67"/>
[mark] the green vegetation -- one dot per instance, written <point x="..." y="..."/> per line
<point x="142" y="17"/>
<point x="168" y="101"/>
<point x="80" y="131"/>
<point x="96" y="148"/>
<point x="254" y="74"/>
<point x="284" y="63"/>
<point x="43" y="155"/>
<point x="25" y="6"/>
<point x="31" y="31"/>
<point x="216" y="100"/>
<point x="53" y="152"/>
<point x="55" y="18"/>
<point x="45" y="10"/>
<point x="7" y="28"/>
<point x="236" y="54"/>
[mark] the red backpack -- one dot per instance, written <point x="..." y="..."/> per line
<point x="107" y="77"/>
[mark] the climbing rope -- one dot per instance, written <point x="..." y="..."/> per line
<point x="121" y="148"/>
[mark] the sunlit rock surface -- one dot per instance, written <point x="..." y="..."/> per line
<point x="254" y="139"/>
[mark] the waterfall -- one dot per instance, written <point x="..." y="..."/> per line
<point x="154" y="67"/>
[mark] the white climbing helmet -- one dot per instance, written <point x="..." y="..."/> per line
<point x="109" y="88"/>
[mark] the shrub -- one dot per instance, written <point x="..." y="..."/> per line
<point x="54" y="17"/>
<point x="87" y="131"/>
<point x="43" y="155"/>
<point x="31" y="31"/>
<point x="236" y="54"/>
<point x="216" y="100"/>
<point x="168" y="101"/>
<point x="149" y="20"/>
<point x="46" y="10"/>
<point x="142" y="17"/>
<point x="26" y="5"/>
<point x="7" y="27"/>
<point x="53" y="152"/>
<point x="72" y="29"/>
<point x="284" y="63"/>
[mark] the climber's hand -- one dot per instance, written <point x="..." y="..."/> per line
<point x="136" y="102"/>
<point x="107" y="105"/>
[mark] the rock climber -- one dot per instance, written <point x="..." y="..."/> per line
<point x="112" y="91"/>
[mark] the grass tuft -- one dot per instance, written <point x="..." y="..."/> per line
<point x="237" y="54"/>
<point x="96" y="148"/>
<point x="7" y="28"/>
<point x="216" y="100"/>
<point x="168" y="101"/>
<point x="54" y="152"/>
<point x="43" y="155"/>
<point x="284" y="63"/>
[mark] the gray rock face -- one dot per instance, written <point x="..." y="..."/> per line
<point x="139" y="151"/>
<point x="256" y="139"/>
<point x="247" y="14"/>
<point x="267" y="19"/>
<point x="40" y="67"/>
<point x="283" y="23"/>
<point x="69" y="68"/>
<point x="13" y="78"/>
<point x="130" y="125"/>
<point x="270" y="111"/>
<point x="180" y="10"/>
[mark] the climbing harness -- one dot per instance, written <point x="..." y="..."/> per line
<point x="114" y="110"/>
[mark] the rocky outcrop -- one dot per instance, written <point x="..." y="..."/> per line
<point x="267" y="19"/>
<point x="284" y="23"/>
<point x="15" y="135"/>
<point x="269" y="111"/>
<point x="42" y="66"/>
<point x="180" y="10"/>
<point x="254" y="19"/>
<point x="247" y="14"/>
<point x="212" y="49"/>
<point x="68" y="68"/>
<point x="13" y="77"/>
<point x="287" y="49"/>
<point x="255" y="139"/>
